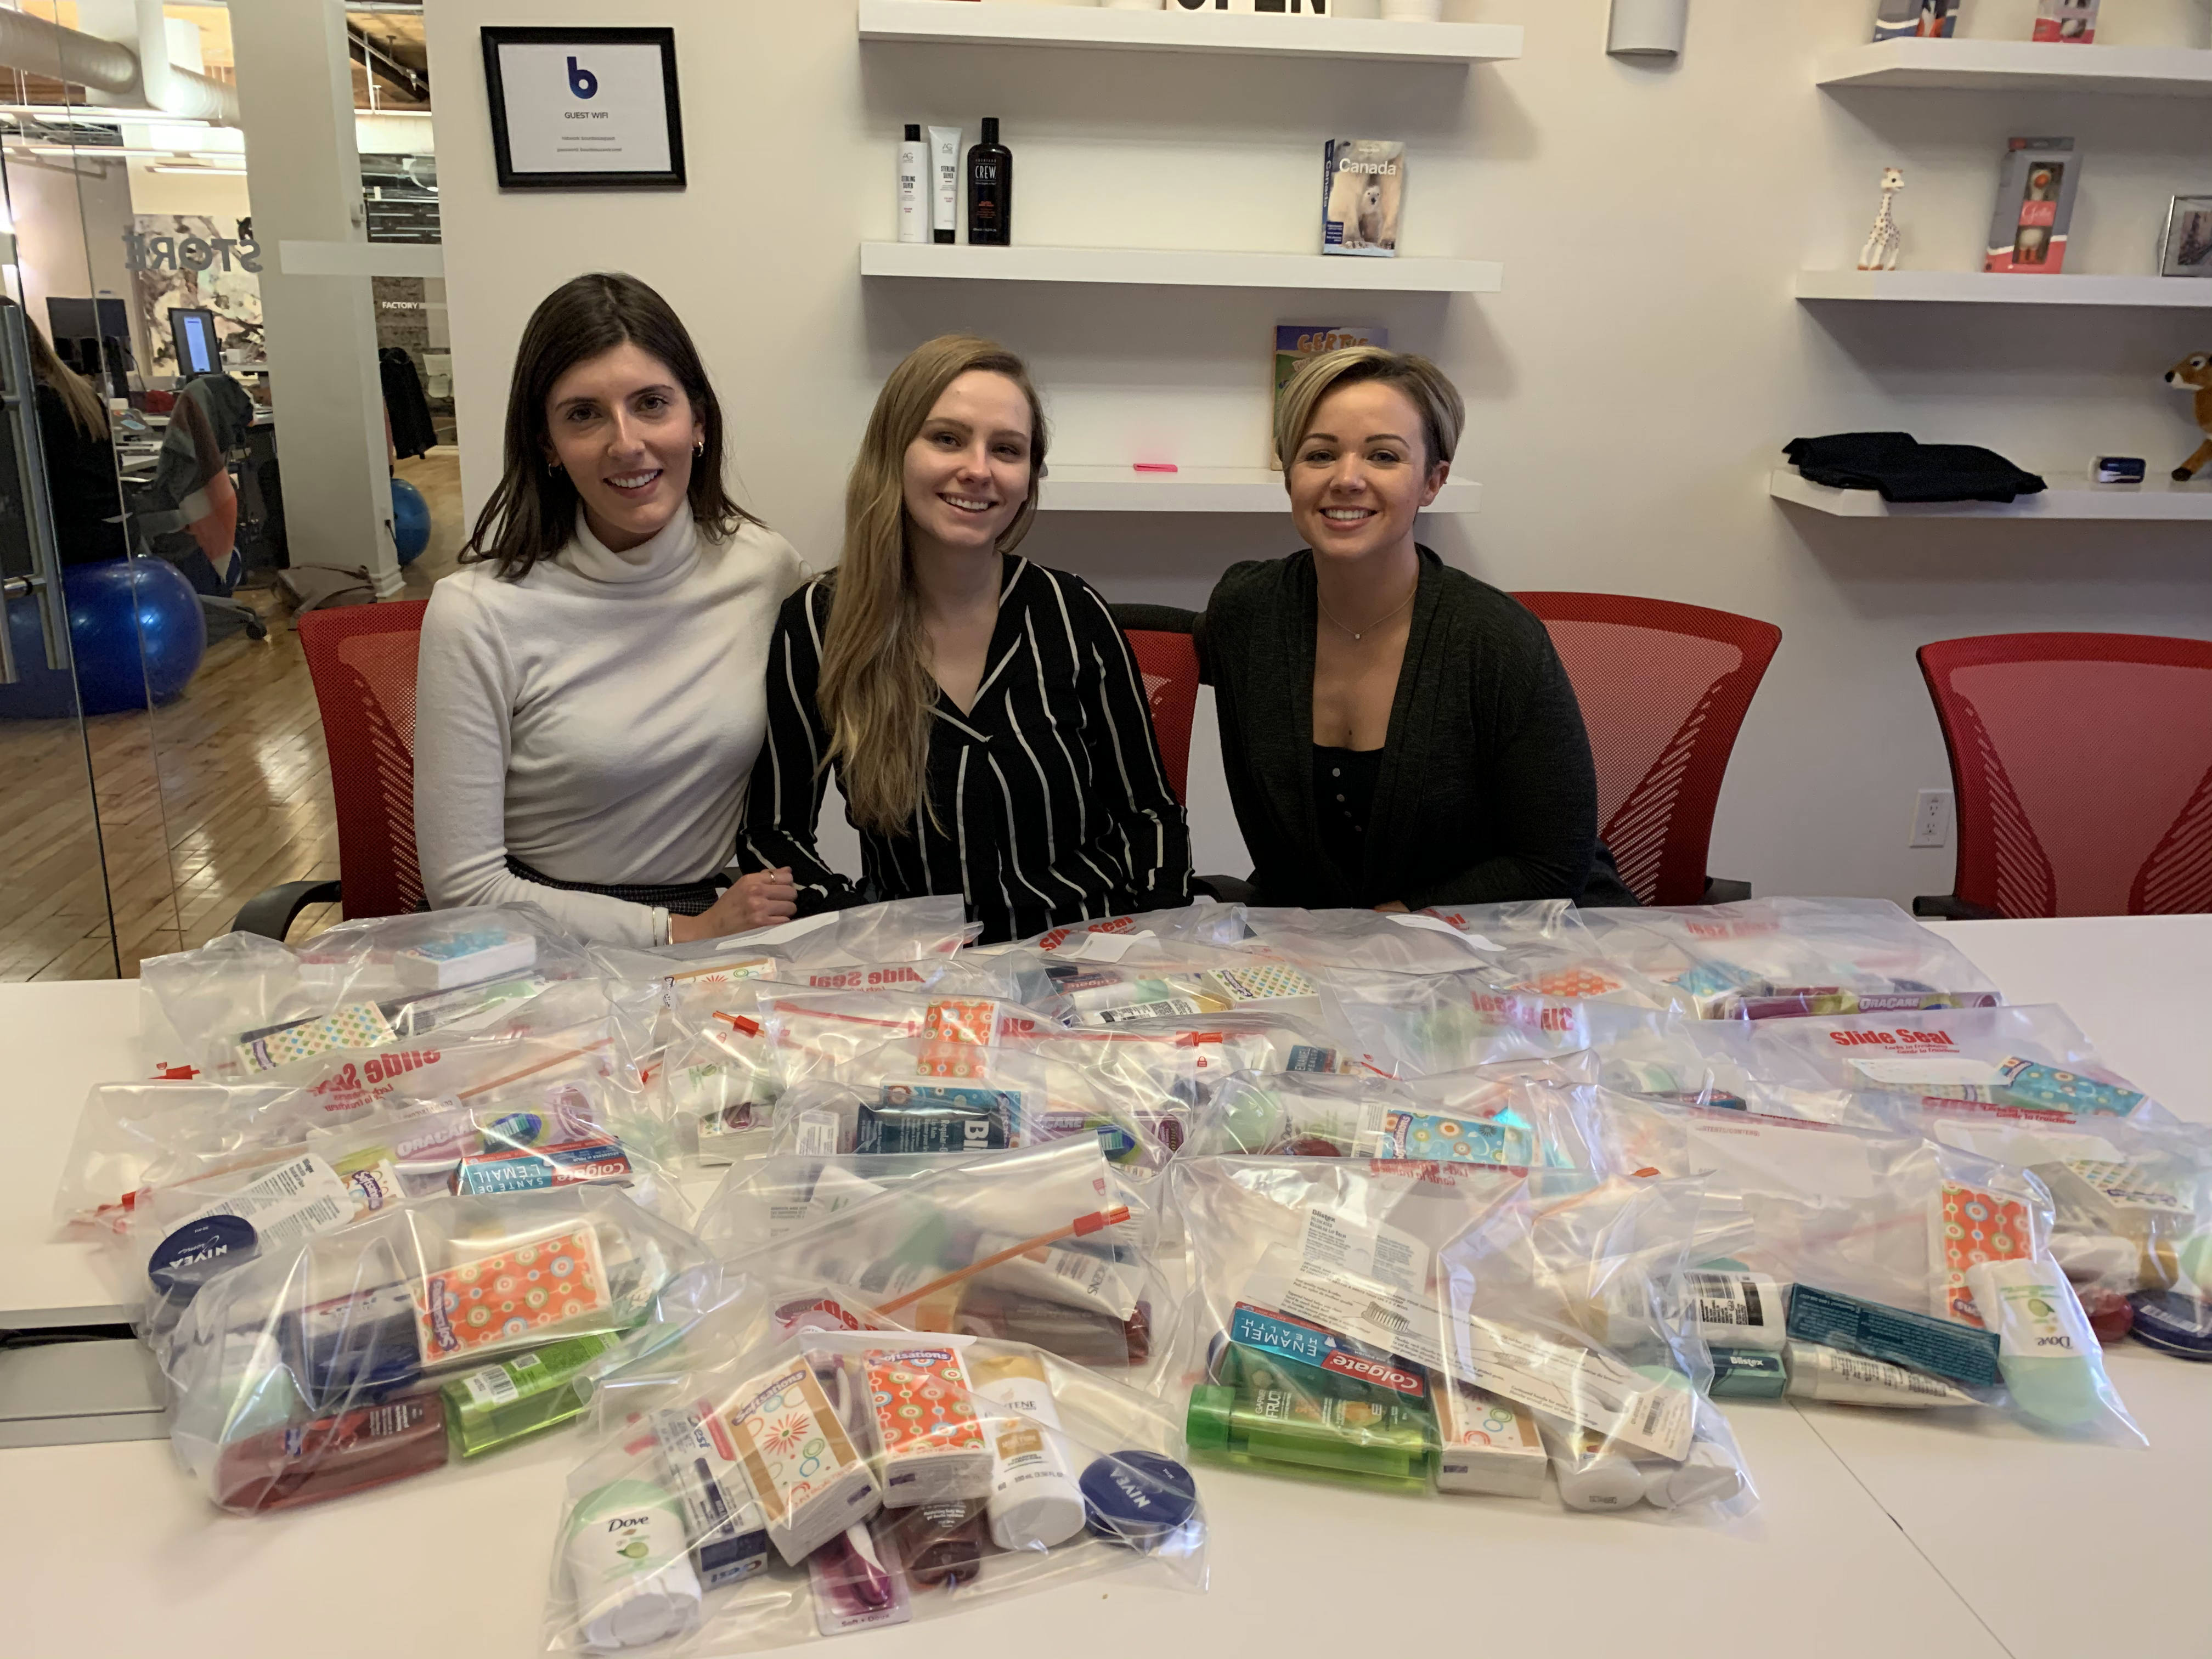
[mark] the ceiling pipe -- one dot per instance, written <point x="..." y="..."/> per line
<point x="177" y="91"/>
<point x="36" y="46"/>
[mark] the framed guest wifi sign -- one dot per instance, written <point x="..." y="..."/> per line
<point x="584" y="108"/>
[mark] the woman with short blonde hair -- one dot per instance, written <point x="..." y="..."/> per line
<point x="983" y="714"/>
<point x="1396" y="734"/>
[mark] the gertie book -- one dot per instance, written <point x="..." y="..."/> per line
<point x="1296" y="344"/>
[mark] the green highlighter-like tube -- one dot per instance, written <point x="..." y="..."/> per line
<point x="526" y="1395"/>
<point x="1296" y="1419"/>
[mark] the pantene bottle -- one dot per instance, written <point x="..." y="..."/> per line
<point x="1035" y="1502"/>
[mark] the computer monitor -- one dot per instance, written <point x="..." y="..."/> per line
<point x="198" y="353"/>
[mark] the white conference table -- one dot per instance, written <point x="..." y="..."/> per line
<point x="1879" y="1531"/>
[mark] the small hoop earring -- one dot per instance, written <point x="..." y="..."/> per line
<point x="699" y="450"/>
<point x="552" y="466"/>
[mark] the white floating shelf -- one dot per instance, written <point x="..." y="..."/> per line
<point x="1171" y="268"/>
<point x="1196" y="489"/>
<point x="980" y="23"/>
<point x="2075" y="497"/>
<point x="2023" y="66"/>
<point x="1997" y="288"/>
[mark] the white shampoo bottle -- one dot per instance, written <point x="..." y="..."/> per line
<point x="913" y="186"/>
<point x="1035" y="1502"/>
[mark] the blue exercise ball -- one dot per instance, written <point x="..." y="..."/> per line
<point x="135" y="628"/>
<point x="410" y="520"/>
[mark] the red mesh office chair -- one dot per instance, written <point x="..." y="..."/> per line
<point x="1165" y="644"/>
<point x="1167" y="656"/>
<point x="362" y="660"/>
<point x="1663" y="689"/>
<point x="2083" y="767"/>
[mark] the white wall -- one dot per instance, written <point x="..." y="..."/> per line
<point x="1628" y="392"/>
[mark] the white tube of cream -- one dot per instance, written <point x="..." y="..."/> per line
<point x="944" y="161"/>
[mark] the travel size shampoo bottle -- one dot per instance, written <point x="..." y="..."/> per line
<point x="990" y="190"/>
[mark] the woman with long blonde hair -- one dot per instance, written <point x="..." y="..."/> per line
<point x="983" y="715"/>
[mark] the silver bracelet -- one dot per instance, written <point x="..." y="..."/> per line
<point x="661" y="929"/>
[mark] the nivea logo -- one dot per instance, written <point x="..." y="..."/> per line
<point x="1138" y="1497"/>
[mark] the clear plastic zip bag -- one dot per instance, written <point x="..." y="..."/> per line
<point x="2132" y="1213"/>
<point x="243" y="1006"/>
<point x="900" y="1237"/>
<point x="799" y="1483"/>
<point x="1400" y="942"/>
<point x="1414" y="1025"/>
<point x="1206" y="922"/>
<point x="134" y="1137"/>
<point x="1419" y="1328"/>
<point x="1454" y="1117"/>
<point x="2031" y="1061"/>
<point x="901" y="929"/>
<point x="921" y="1096"/>
<point x="436" y="1331"/>
<point x="1720" y="1063"/>
<point x="1783" y="957"/>
<point x="1866" y="1268"/>
<point x="560" y="1034"/>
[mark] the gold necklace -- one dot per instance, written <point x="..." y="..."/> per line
<point x="1359" y="633"/>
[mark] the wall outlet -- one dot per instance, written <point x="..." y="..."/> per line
<point x="1931" y="819"/>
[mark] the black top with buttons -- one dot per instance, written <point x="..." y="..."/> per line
<point x="1344" y="800"/>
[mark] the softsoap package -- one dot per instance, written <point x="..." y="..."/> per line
<point x="805" y="1479"/>
<point x="242" y="1007"/>
<point x="1048" y="1245"/>
<point x="1786" y="958"/>
<point x="311" y="1367"/>
<point x="1359" y="1322"/>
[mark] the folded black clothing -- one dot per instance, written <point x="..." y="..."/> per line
<point x="1905" y="470"/>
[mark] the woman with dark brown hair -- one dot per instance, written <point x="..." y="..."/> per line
<point x="983" y="714"/>
<point x="81" y="476"/>
<point x="591" y="693"/>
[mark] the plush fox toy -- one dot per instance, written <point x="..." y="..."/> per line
<point x="2194" y="373"/>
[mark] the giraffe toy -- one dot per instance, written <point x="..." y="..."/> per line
<point x="1880" y="252"/>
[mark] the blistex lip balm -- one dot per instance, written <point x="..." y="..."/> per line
<point x="1747" y="1374"/>
<point x="1903" y="1338"/>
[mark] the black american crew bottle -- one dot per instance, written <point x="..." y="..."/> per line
<point x="990" y="190"/>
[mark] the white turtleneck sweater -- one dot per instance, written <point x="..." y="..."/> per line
<point x="598" y="719"/>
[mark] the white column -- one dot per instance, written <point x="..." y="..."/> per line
<point x="295" y="96"/>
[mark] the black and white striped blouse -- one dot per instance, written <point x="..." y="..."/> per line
<point x="1051" y="802"/>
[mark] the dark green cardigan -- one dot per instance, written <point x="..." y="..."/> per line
<point x="1487" y="794"/>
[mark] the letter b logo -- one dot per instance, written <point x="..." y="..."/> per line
<point x="582" y="81"/>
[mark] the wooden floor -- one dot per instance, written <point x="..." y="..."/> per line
<point x="202" y="803"/>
